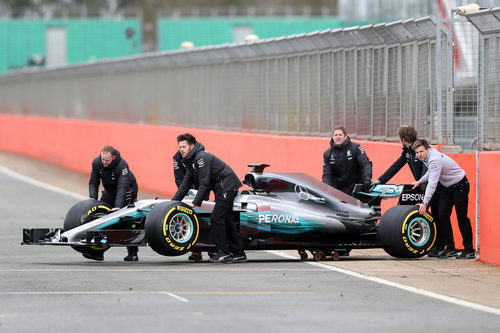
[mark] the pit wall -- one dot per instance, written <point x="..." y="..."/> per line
<point x="148" y="149"/>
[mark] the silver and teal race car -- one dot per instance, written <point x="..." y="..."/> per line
<point x="279" y="211"/>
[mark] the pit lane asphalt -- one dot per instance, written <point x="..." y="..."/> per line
<point x="56" y="288"/>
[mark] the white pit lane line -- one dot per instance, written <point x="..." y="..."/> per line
<point x="55" y="293"/>
<point x="38" y="183"/>
<point x="418" y="291"/>
<point x="449" y="299"/>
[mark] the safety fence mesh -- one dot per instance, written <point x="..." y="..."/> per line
<point x="439" y="75"/>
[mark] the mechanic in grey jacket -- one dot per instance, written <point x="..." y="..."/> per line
<point x="120" y="186"/>
<point x="455" y="192"/>
<point x="212" y="173"/>
<point x="408" y="136"/>
<point x="345" y="163"/>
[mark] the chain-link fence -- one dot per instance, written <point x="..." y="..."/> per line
<point x="370" y="79"/>
<point x="487" y="22"/>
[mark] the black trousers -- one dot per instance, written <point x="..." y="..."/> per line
<point x="224" y="233"/>
<point x="456" y="195"/>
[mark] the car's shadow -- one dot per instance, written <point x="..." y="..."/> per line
<point x="191" y="264"/>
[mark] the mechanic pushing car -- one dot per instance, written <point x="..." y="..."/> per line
<point x="407" y="136"/>
<point x="454" y="192"/>
<point x="213" y="174"/>
<point x="345" y="163"/>
<point x="179" y="173"/>
<point x="120" y="188"/>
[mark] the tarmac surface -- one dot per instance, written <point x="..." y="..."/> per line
<point x="54" y="288"/>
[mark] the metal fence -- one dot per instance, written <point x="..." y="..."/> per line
<point x="371" y="79"/>
<point x="488" y="24"/>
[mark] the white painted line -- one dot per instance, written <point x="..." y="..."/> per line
<point x="418" y="291"/>
<point x="38" y="183"/>
<point x="51" y="293"/>
<point x="176" y="296"/>
<point x="106" y="270"/>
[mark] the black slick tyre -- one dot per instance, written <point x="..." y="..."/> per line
<point x="81" y="213"/>
<point x="172" y="228"/>
<point x="405" y="233"/>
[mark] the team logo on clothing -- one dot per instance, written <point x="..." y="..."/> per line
<point x="201" y="163"/>
<point x="125" y="172"/>
<point x="349" y="155"/>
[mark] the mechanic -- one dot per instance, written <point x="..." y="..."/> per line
<point x="345" y="163"/>
<point x="407" y="136"/>
<point x="455" y="192"/>
<point x="211" y="173"/>
<point x="179" y="173"/>
<point x="120" y="187"/>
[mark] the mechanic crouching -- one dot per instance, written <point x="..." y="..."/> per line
<point x="120" y="188"/>
<point x="211" y="173"/>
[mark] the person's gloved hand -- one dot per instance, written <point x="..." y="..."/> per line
<point x="367" y="185"/>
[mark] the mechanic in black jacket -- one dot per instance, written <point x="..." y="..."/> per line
<point x="407" y="136"/>
<point x="345" y="163"/>
<point x="213" y="174"/>
<point x="120" y="186"/>
<point x="180" y="170"/>
<point x="179" y="173"/>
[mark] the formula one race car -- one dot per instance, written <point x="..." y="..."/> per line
<point x="279" y="211"/>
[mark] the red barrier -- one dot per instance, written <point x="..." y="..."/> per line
<point x="489" y="183"/>
<point x="149" y="149"/>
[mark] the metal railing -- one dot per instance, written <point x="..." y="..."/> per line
<point x="371" y="79"/>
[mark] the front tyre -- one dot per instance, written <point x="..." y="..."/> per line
<point x="84" y="212"/>
<point x="405" y="233"/>
<point x="172" y="228"/>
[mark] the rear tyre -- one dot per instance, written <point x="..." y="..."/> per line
<point x="172" y="228"/>
<point x="405" y="233"/>
<point x="84" y="212"/>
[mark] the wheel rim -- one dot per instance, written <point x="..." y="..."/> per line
<point x="419" y="231"/>
<point x="181" y="228"/>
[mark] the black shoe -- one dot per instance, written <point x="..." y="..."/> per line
<point x="220" y="257"/>
<point x="97" y="256"/>
<point x="236" y="258"/>
<point x="448" y="253"/>
<point x="467" y="254"/>
<point x="132" y="253"/>
<point x="195" y="256"/>
<point x="434" y="253"/>
<point x="131" y="257"/>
